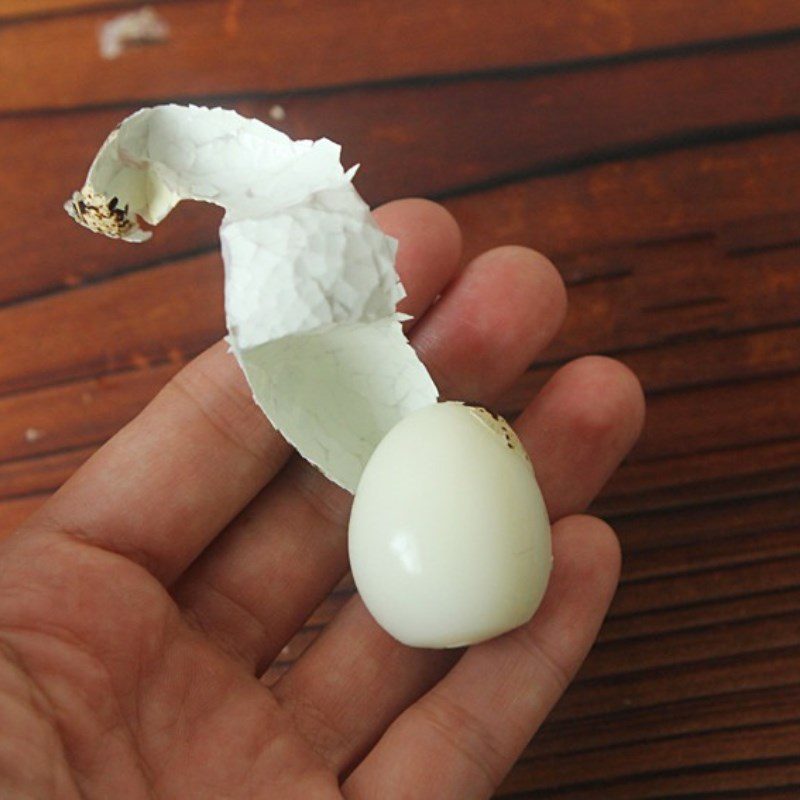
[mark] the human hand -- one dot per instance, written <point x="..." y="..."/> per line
<point x="141" y="605"/>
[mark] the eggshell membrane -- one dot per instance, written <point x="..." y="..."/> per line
<point x="311" y="288"/>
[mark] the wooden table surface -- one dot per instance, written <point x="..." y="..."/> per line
<point x="650" y="147"/>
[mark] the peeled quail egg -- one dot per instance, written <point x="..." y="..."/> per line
<point x="449" y="537"/>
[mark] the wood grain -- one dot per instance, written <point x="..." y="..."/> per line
<point x="175" y="309"/>
<point x="708" y="714"/>
<point x="76" y="414"/>
<point x="14" y="9"/>
<point x="643" y="531"/>
<point x="678" y="194"/>
<point x="775" y="742"/>
<point x="615" y="695"/>
<point x="714" y="476"/>
<point x="40" y="475"/>
<point x="405" y="138"/>
<point x="651" y="149"/>
<point x="257" y="47"/>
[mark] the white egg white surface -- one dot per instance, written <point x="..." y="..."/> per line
<point x="449" y="536"/>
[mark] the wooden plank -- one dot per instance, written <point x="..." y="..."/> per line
<point x="676" y="194"/>
<point x="719" y="572"/>
<point x="403" y="136"/>
<point x="742" y="414"/>
<point x="676" y="291"/>
<point x="759" y="669"/>
<point x="761" y="232"/>
<point x="761" y="601"/>
<point x="14" y="9"/>
<point x="778" y="704"/>
<point x="76" y="415"/>
<point x="147" y="317"/>
<point x="668" y="650"/>
<point x="727" y="357"/>
<point x="762" y="781"/>
<point x="731" y="357"/>
<point x="40" y="475"/>
<point x="628" y="724"/>
<point x="610" y="695"/>
<point x="615" y="767"/>
<point x="767" y="780"/>
<point x="408" y="146"/>
<point x="644" y="531"/>
<point x="714" y="558"/>
<point x="767" y="587"/>
<point x="788" y="454"/>
<point x="255" y="46"/>
<point x="698" y="478"/>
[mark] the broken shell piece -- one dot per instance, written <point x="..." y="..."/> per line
<point x="140" y="26"/>
<point x="310" y="284"/>
<point x="277" y="112"/>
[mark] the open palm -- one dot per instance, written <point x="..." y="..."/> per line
<point x="140" y="607"/>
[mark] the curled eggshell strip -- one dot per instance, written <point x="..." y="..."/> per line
<point x="310" y="284"/>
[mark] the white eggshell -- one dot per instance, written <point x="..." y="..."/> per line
<point x="311" y="287"/>
<point x="449" y="537"/>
